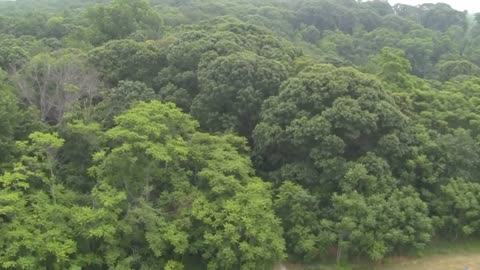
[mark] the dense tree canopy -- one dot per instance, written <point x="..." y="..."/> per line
<point x="122" y="18"/>
<point x="9" y="113"/>
<point x="234" y="134"/>
<point x="191" y="184"/>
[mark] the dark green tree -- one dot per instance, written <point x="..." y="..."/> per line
<point x="121" y="18"/>
<point x="233" y="89"/>
<point x="127" y="60"/>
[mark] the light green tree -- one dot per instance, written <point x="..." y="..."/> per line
<point x="190" y="195"/>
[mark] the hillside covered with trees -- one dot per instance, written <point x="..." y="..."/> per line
<point x="234" y="134"/>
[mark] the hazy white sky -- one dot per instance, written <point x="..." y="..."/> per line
<point x="473" y="6"/>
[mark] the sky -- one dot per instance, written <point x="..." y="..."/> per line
<point x="473" y="6"/>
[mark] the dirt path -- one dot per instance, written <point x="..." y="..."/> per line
<point x="444" y="261"/>
<point x="437" y="262"/>
<point x="438" y="256"/>
<point x="280" y="266"/>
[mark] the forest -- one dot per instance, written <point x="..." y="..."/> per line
<point x="234" y="134"/>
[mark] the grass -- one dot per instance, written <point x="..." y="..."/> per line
<point x="438" y="256"/>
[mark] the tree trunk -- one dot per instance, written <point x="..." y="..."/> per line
<point x="339" y="251"/>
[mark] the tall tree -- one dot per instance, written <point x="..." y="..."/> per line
<point x="190" y="195"/>
<point x="54" y="82"/>
<point x="233" y="89"/>
<point x="9" y="120"/>
<point x="34" y="209"/>
<point x="121" y="60"/>
<point x="121" y="18"/>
